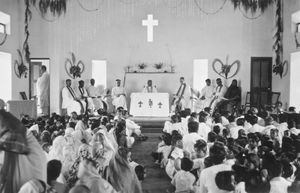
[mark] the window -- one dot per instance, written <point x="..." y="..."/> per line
<point x="294" y="80"/>
<point x="6" y="76"/>
<point x="200" y="73"/>
<point x="4" y="19"/>
<point x="99" y="72"/>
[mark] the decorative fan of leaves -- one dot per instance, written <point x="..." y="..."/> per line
<point x="73" y="68"/>
<point x="253" y="5"/>
<point x="55" y="7"/>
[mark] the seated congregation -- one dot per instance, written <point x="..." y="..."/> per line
<point x="225" y="153"/>
<point x="76" y="153"/>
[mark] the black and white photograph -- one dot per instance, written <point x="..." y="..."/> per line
<point x="150" y="96"/>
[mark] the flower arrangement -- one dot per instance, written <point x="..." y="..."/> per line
<point x="73" y="68"/>
<point x="142" y="66"/>
<point x="20" y="68"/>
<point x="159" y="65"/>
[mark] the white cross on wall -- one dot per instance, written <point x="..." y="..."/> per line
<point x="150" y="23"/>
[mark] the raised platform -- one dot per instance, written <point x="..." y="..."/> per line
<point x="150" y="123"/>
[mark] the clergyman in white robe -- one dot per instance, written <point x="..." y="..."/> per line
<point x="183" y="95"/>
<point x="149" y="88"/>
<point x="206" y="94"/>
<point x="43" y="91"/>
<point x="119" y="96"/>
<point x="94" y="93"/>
<point x="83" y="95"/>
<point x="70" y="100"/>
<point x="218" y="94"/>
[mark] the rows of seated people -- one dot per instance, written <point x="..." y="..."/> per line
<point x="226" y="153"/>
<point x="69" y="154"/>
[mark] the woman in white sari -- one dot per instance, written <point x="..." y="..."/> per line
<point x="56" y="151"/>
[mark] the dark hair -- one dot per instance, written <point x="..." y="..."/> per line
<point x="186" y="164"/>
<point x="287" y="169"/>
<point x="200" y="144"/>
<point x="216" y="129"/>
<point x="53" y="170"/>
<point x="231" y="118"/>
<point x="240" y="121"/>
<point x="224" y="181"/>
<point x="202" y="116"/>
<point x="217" y="152"/>
<point x="167" y="138"/>
<point x="43" y="67"/>
<point x="253" y="120"/>
<point x="291" y="109"/>
<point x="212" y="136"/>
<point x="176" y="138"/>
<point x="275" y="169"/>
<point x="193" y="127"/>
<point x="140" y="172"/>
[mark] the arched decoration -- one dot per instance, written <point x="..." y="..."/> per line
<point x="73" y="68"/>
<point x="21" y="70"/>
<point x="5" y="34"/>
<point x="225" y="70"/>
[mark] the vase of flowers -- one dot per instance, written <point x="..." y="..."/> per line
<point x="159" y="66"/>
<point x="142" y="67"/>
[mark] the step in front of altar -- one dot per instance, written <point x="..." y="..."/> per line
<point x="150" y="123"/>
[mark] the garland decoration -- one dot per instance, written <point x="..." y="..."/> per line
<point x="253" y="5"/>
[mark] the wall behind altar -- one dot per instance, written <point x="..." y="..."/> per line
<point x="14" y="42"/>
<point x="114" y="33"/>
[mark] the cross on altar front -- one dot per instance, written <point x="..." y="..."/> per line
<point x="140" y="104"/>
<point x="160" y="104"/>
<point x="150" y="23"/>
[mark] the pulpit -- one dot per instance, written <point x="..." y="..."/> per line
<point x="149" y="104"/>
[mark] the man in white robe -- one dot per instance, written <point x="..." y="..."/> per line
<point x="206" y="94"/>
<point x="43" y="88"/>
<point x="83" y="95"/>
<point x="182" y="99"/>
<point x="94" y="93"/>
<point x="70" y="101"/>
<point x="149" y="88"/>
<point x="119" y="96"/>
<point x="218" y="95"/>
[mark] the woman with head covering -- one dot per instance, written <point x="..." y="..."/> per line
<point x="56" y="151"/>
<point x="127" y="182"/>
<point x="24" y="158"/>
<point x="89" y="176"/>
<point x="102" y="150"/>
<point x="71" y="174"/>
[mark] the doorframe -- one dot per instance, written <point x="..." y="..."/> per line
<point x="251" y="71"/>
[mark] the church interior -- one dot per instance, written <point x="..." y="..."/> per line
<point x="150" y="96"/>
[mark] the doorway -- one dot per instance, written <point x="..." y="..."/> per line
<point x="261" y="81"/>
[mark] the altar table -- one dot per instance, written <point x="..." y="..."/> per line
<point x="149" y="104"/>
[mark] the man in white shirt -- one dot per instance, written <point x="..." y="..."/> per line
<point x="182" y="98"/>
<point x="206" y="94"/>
<point x="119" y="95"/>
<point x="218" y="95"/>
<point x="207" y="177"/>
<point x="94" y="93"/>
<point x="189" y="140"/>
<point x="234" y="131"/>
<point x="204" y="129"/>
<point x="149" y="88"/>
<point x="70" y="101"/>
<point x="43" y="90"/>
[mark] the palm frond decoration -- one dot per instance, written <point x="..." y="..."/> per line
<point x="253" y="5"/>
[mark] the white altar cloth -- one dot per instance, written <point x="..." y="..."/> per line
<point x="149" y="104"/>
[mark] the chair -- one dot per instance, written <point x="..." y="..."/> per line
<point x="247" y="101"/>
<point x="274" y="101"/>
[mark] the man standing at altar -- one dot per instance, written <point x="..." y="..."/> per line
<point x="119" y="95"/>
<point x="182" y="98"/>
<point x="43" y="88"/>
<point x="94" y="93"/>
<point x="70" y="101"/>
<point x="206" y="94"/>
<point x="149" y="88"/>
